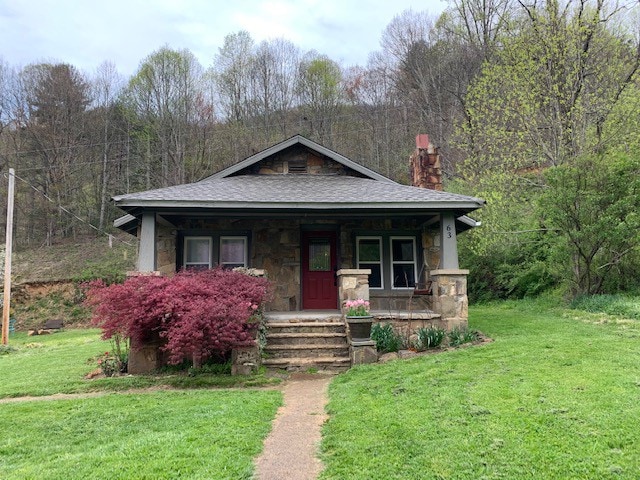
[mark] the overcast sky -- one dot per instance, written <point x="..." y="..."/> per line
<point x="85" y="33"/>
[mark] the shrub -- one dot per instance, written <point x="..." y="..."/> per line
<point x="7" y="349"/>
<point x="430" y="337"/>
<point x="458" y="336"/>
<point x="200" y="314"/>
<point x="387" y="340"/>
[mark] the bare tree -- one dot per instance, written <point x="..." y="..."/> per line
<point x="107" y="87"/>
<point x="57" y="98"/>
<point x="321" y="93"/>
<point x="232" y="74"/>
<point x="164" y="94"/>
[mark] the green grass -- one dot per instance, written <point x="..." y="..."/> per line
<point x="555" y="396"/>
<point x="194" y="434"/>
<point x="616" y="305"/>
<point x="57" y="363"/>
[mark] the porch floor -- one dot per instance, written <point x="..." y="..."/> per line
<point x="333" y="315"/>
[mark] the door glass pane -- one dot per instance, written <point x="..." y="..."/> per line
<point x="232" y="251"/>
<point x="319" y="255"/>
<point x="402" y="250"/>
<point x="198" y="250"/>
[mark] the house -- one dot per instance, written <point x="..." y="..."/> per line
<point x="321" y="226"/>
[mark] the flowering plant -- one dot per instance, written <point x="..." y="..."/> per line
<point x="357" y="308"/>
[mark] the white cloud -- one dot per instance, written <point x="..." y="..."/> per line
<point x="87" y="33"/>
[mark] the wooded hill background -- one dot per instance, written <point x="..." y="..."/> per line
<point x="535" y="107"/>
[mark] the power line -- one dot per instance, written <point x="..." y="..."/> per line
<point x="64" y="209"/>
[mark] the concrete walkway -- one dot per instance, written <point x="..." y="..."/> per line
<point x="290" y="450"/>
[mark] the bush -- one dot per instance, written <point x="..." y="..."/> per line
<point x="200" y="314"/>
<point x="7" y="349"/>
<point x="430" y="337"/>
<point x="458" y="336"/>
<point x="387" y="340"/>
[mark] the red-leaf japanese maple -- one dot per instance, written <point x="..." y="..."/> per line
<point x="200" y="313"/>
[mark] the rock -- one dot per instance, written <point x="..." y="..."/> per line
<point x="388" y="356"/>
<point x="407" y="354"/>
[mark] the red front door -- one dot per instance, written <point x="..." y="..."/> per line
<point x="319" y="290"/>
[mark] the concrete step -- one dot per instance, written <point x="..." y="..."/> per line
<point x="302" y="364"/>
<point x="307" y="350"/>
<point x="305" y="338"/>
<point x="305" y="327"/>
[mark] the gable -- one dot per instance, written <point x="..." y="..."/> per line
<point x="303" y="153"/>
<point x="298" y="160"/>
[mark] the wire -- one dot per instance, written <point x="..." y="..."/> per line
<point x="60" y="207"/>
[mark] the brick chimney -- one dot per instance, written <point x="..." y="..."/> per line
<point x="425" y="165"/>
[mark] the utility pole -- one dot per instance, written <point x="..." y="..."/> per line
<point x="6" y="304"/>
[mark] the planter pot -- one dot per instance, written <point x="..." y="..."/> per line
<point x="360" y="327"/>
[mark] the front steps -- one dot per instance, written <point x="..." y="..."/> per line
<point x="301" y="341"/>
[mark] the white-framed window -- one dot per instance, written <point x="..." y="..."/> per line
<point x="403" y="262"/>
<point x="233" y="251"/>
<point x="197" y="252"/>
<point x="369" y="255"/>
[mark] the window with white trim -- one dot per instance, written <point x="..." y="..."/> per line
<point x="197" y="252"/>
<point x="233" y="252"/>
<point x="369" y="255"/>
<point x="403" y="262"/>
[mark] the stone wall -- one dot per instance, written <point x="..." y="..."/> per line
<point x="165" y="250"/>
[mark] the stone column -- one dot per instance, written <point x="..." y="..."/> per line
<point x="449" y="296"/>
<point x="353" y="284"/>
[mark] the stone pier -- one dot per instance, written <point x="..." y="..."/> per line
<point x="449" y="296"/>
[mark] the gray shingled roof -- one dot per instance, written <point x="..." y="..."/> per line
<point x="297" y="192"/>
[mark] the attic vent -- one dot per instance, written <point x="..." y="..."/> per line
<point x="297" y="166"/>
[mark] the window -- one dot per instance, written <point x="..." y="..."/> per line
<point x="233" y="252"/>
<point x="403" y="262"/>
<point x="369" y="255"/>
<point x="197" y="252"/>
<point x="202" y="250"/>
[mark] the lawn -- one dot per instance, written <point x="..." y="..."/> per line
<point x="57" y="363"/>
<point x="156" y="434"/>
<point x="159" y="435"/>
<point x="555" y="396"/>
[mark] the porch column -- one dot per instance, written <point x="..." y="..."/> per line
<point x="147" y="247"/>
<point x="353" y="283"/>
<point x="449" y="243"/>
<point x="449" y="296"/>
